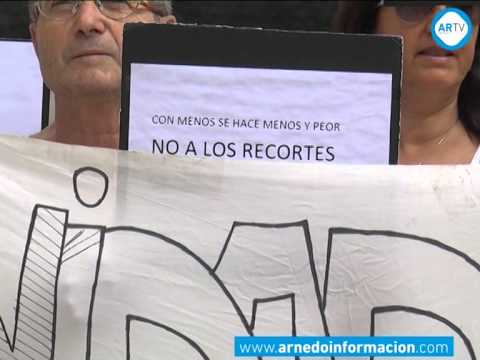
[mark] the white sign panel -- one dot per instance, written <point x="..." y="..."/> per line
<point x="121" y="255"/>
<point x="22" y="89"/>
<point x="260" y="114"/>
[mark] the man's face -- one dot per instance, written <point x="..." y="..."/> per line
<point x="81" y="55"/>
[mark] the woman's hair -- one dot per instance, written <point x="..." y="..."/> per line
<point x="361" y="17"/>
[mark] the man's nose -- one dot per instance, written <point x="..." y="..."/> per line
<point x="89" y="19"/>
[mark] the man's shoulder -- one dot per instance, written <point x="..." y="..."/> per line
<point x="46" y="134"/>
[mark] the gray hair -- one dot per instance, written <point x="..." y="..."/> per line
<point x="159" y="7"/>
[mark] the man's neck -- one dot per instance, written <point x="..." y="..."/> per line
<point x="89" y="122"/>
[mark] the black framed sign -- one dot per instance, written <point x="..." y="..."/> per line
<point x="222" y="92"/>
<point x="23" y="97"/>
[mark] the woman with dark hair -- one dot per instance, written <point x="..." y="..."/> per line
<point x="440" y="105"/>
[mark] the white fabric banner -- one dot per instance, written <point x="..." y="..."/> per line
<point x="260" y="114"/>
<point x="117" y="255"/>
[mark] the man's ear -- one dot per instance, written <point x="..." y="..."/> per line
<point x="33" y="35"/>
<point x="169" y="19"/>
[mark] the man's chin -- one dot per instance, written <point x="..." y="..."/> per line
<point x="92" y="83"/>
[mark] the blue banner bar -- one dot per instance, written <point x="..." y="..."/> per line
<point x="353" y="346"/>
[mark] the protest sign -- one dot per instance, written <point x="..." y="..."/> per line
<point x="261" y="95"/>
<point x="22" y="94"/>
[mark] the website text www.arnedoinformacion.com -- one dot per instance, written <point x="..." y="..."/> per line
<point x="248" y="346"/>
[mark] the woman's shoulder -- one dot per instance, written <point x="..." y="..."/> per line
<point x="476" y="156"/>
